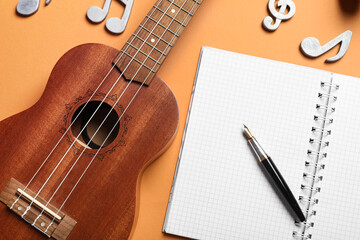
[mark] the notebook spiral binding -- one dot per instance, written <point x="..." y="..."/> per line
<point x="316" y="155"/>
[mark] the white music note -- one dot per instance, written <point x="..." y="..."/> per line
<point x="28" y="7"/>
<point x="114" y="24"/>
<point x="311" y="46"/>
<point x="96" y="14"/>
<point x="280" y="15"/>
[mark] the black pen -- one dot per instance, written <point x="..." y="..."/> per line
<point x="274" y="173"/>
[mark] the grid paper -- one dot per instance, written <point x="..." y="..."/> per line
<point x="220" y="191"/>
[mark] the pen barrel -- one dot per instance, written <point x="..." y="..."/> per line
<point x="282" y="186"/>
<point x="259" y="151"/>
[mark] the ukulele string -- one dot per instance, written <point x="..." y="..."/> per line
<point x="68" y="150"/>
<point x="64" y="134"/>
<point x="29" y="207"/>
<point x="138" y="90"/>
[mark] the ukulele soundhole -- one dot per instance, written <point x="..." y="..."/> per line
<point x="89" y="123"/>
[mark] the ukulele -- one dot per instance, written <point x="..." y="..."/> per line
<point x="70" y="164"/>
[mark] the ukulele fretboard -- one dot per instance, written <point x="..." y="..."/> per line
<point x="147" y="48"/>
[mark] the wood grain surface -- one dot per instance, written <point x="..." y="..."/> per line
<point x="103" y="204"/>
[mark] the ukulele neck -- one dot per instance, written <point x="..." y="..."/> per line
<point x="147" y="48"/>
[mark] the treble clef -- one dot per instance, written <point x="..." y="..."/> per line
<point x="280" y="15"/>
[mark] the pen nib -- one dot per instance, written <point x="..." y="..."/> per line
<point x="247" y="132"/>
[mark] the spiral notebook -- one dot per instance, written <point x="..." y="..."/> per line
<point x="307" y="120"/>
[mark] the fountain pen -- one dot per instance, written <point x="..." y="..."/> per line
<point x="274" y="174"/>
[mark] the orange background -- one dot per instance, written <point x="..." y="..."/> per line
<point x="29" y="48"/>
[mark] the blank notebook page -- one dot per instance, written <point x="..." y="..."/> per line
<point x="220" y="190"/>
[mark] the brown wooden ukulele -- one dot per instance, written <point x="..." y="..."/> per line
<point x="70" y="165"/>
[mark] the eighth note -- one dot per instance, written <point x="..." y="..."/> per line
<point x="114" y="24"/>
<point x="96" y="14"/>
<point x="311" y="46"/>
<point x="28" y="7"/>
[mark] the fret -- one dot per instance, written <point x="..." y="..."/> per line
<point x="175" y="24"/>
<point x="147" y="49"/>
<point x="141" y="63"/>
<point x="176" y="11"/>
<point x="142" y="52"/>
<point x="182" y="8"/>
<point x="157" y="35"/>
<point x="140" y="58"/>
<point x="145" y="53"/>
<point x="173" y="18"/>
<point x="154" y="47"/>
<point x="145" y="28"/>
<point x="187" y="7"/>
<point x="158" y="31"/>
<point x="161" y="25"/>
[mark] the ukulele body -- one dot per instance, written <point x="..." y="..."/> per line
<point x="104" y="202"/>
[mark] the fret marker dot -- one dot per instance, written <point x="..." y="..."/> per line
<point x="42" y="224"/>
<point x="19" y="208"/>
<point x="173" y="10"/>
<point x="152" y="40"/>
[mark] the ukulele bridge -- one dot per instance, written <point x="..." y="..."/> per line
<point x="42" y="216"/>
<point x="38" y="204"/>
